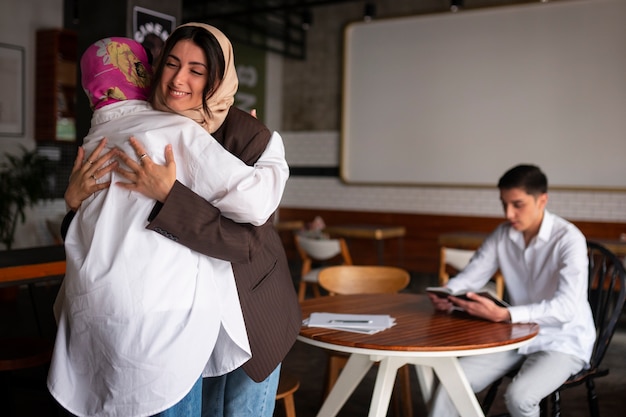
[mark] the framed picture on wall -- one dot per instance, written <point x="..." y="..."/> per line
<point x="12" y="91"/>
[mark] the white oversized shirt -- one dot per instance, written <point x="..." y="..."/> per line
<point x="139" y="315"/>
<point x="546" y="282"/>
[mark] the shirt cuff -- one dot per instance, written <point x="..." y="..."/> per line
<point x="519" y="314"/>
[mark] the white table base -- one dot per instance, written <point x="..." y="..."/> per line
<point x="447" y="370"/>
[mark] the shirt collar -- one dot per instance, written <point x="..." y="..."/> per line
<point x="545" y="230"/>
<point x="546" y="226"/>
<point x="117" y="110"/>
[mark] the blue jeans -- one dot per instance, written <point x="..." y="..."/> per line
<point x="236" y="395"/>
<point x="189" y="406"/>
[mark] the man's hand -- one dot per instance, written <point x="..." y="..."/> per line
<point x="152" y="180"/>
<point x="482" y="307"/>
<point x="440" y="303"/>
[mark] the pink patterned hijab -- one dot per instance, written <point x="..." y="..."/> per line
<point x="222" y="99"/>
<point x="115" y="69"/>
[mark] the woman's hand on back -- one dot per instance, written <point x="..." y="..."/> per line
<point x="146" y="177"/>
<point x="83" y="180"/>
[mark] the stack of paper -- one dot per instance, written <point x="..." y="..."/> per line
<point x="358" y="323"/>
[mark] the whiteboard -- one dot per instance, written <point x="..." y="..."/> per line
<point x="458" y="98"/>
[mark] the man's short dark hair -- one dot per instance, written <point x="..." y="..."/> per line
<point x="527" y="177"/>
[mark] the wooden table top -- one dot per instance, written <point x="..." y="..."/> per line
<point x="418" y="327"/>
<point x="366" y="231"/>
<point x="23" y="266"/>
<point x="462" y="240"/>
<point x="289" y="225"/>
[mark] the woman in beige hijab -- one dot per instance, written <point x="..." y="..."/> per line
<point x="192" y="54"/>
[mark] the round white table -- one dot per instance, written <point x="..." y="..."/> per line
<point x="421" y="336"/>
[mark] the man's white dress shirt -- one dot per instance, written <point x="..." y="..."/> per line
<point x="546" y="282"/>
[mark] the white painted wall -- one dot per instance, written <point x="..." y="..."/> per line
<point x="19" y="21"/>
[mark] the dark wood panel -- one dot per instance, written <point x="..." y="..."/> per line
<point x="420" y="247"/>
<point x="55" y="78"/>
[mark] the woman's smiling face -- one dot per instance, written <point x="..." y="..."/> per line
<point x="184" y="76"/>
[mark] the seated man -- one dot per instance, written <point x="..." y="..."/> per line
<point x="544" y="262"/>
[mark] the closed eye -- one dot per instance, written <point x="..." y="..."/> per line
<point x="172" y="62"/>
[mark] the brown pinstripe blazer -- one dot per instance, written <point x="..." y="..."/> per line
<point x="270" y="307"/>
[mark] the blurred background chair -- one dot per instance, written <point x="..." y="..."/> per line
<point x="452" y="260"/>
<point x="318" y="252"/>
<point x="355" y="279"/>
<point x="26" y="349"/>
<point x="607" y="293"/>
<point x="288" y="384"/>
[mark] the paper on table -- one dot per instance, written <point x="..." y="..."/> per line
<point x="360" y="323"/>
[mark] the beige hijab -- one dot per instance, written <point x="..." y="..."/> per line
<point x="224" y="97"/>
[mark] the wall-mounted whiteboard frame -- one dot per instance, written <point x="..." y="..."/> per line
<point x="455" y="99"/>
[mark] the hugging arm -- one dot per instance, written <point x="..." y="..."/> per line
<point x="190" y="220"/>
<point x="222" y="238"/>
<point x="199" y="226"/>
<point x="85" y="172"/>
<point x="244" y="193"/>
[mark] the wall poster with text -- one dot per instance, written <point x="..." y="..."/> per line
<point x="151" y="29"/>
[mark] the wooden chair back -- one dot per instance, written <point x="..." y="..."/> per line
<point x="607" y="295"/>
<point x="318" y="250"/>
<point x="353" y="279"/>
<point x="453" y="259"/>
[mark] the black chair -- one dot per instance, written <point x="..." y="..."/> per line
<point x="607" y="292"/>
<point x="25" y="351"/>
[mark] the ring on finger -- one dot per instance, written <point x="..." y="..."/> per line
<point x="90" y="162"/>
<point x="94" y="177"/>
<point x="143" y="155"/>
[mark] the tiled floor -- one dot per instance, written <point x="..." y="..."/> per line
<point x="308" y="363"/>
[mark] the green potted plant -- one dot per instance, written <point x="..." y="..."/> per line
<point x="23" y="182"/>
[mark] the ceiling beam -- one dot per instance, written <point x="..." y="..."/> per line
<point x="214" y="12"/>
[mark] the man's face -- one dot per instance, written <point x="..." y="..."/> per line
<point x="522" y="210"/>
